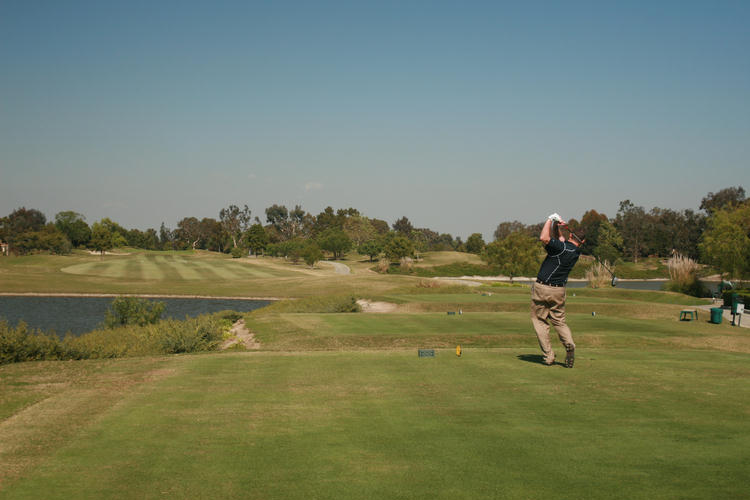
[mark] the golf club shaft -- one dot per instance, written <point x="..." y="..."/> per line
<point x="604" y="266"/>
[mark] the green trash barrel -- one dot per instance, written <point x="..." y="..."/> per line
<point x="716" y="314"/>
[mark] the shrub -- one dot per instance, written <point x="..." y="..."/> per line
<point x="165" y="337"/>
<point x="188" y="336"/>
<point x="21" y="344"/>
<point x="312" y="253"/>
<point x="237" y="252"/>
<point x="133" y="311"/>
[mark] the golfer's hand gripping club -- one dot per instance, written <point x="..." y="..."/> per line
<point x="555" y="217"/>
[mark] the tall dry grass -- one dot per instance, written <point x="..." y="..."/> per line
<point x="683" y="275"/>
<point x="406" y="264"/>
<point x="597" y="276"/>
<point x="682" y="270"/>
<point x="383" y="266"/>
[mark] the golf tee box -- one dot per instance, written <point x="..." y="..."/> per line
<point x="426" y="353"/>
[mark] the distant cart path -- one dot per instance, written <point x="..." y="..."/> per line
<point x="338" y="267"/>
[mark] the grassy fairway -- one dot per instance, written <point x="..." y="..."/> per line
<point x="184" y="273"/>
<point x="491" y="424"/>
<point x="149" y="266"/>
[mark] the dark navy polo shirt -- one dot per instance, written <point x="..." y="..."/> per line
<point x="561" y="257"/>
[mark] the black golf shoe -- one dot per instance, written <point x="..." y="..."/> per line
<point x="570" y="357"/>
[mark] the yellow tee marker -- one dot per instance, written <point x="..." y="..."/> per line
<point x="458" y="351"/>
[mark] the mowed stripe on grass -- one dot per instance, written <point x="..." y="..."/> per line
<point x="149" y="269"/>
<point x="166" y="264"/>
<point x="185" y="269"/>
<point x="215" y="269"/>
<point x="175" y="268"/>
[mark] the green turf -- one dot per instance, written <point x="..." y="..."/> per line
<point x="182" y="273"/>
<point x="151" y="266"/>
<point x="340" y="406"/>
<point x="491" y="424"/>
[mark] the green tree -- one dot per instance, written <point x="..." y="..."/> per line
<point x="256" y="238"/>
<point x="101" y="238"/>
<point x="632" y="223"/>
<point x="49" y="238"/>
<point x="504" y="229"/>
<point x="518" y="254"/>
<point x="726" y="241"/>
<point x="277" y="216"/>
<point x="213" y="236"/>
<point x="589" y="227"/>
<point x="189" y="232"/>
<point x="235" y="221"/>
<point x="20" y="221"/>
<point x="609" y="242"/>
<point x="403" y="227"/>
<point x="396" y="246"/>
<point x="726" y="198"/>
<point x="336" y="241"/>
<point x="74" y="226"/>
<point x="114" y="228"/>
<point x="293" y="249"/>
<point x="312" y="253"/>
<point x="381" y="227"/>
<point x="329" y="219"/>
<point x="359" y="229"/>
<point x="475" y="243"/>
<point x="371" y="248"/>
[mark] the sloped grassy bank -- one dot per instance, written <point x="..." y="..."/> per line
<point x="169" y="336"/>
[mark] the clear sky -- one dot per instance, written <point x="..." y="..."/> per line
<point x="459" y="114"/>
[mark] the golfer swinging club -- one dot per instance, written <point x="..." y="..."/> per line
<point x="548" y="293"/>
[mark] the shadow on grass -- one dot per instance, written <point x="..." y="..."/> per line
<point x="536" y="358"/>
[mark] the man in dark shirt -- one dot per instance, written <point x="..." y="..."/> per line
<point x="548" y="293"/>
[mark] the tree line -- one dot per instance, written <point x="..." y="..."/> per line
<point x="717" y="234"/>
<point x="292" y="233"/>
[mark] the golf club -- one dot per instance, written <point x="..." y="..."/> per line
<point x="614" y="278"/>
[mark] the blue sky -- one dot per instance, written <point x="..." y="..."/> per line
<point x="459" y="115"/>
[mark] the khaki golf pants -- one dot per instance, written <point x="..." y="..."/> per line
<point x="548" y="308"/>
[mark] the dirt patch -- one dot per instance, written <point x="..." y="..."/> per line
<point x="369" y="306"/>
<point x="240" y="335"/>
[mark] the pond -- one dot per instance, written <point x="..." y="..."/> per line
<point x="79" y="315"/>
